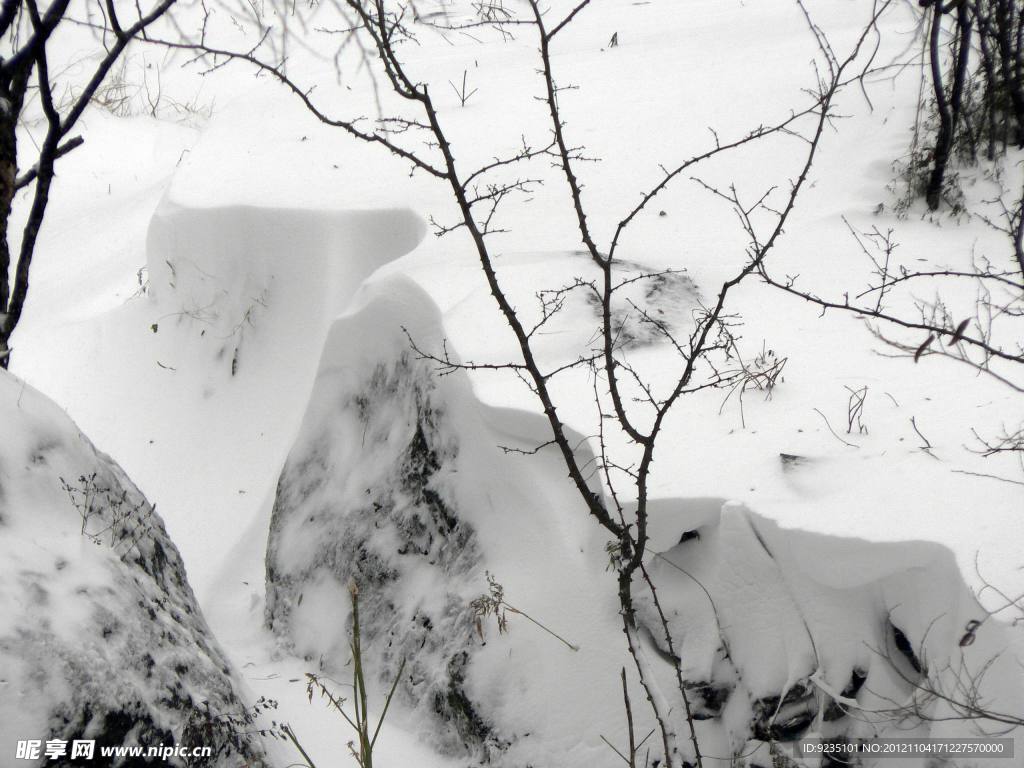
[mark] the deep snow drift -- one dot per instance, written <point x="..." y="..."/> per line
<point x="101" y="637"/>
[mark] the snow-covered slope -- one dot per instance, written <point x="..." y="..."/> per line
<point x="255" y="229"/>
<point x="101" y="637"/>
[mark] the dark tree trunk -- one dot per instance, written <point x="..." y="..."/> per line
<point x="9" y="109"/>
<point x="948" y="109"/>
<point x="989" y="62"/>
<point x="1008" y="29"/>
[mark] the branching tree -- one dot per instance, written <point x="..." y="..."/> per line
<point x="29" y="30"/>
<point x="629" y="411"/>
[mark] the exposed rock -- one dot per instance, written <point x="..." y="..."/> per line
<point x="648" y="304"/>
<point x="707" y="699"/>
<point x="835" y="709"/>
<point x="368" y="496"/>
<point x="904" y="646"/>
<point x="791" y="461"/>
<point x="787" y="717"/>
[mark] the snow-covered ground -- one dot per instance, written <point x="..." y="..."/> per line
<point x="212" y="296"/>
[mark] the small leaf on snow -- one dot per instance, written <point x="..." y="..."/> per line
<point x="969" y="629"/>
<point x="154" y="327"/>
<point x="923" y="347"/>
<point x="958" y="333"/>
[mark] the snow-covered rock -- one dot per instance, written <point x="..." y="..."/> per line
<point x="786" y="634"/>
<point x="101" y="637"/>
<point x="370" y="495"/>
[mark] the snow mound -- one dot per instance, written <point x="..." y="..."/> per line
<point x="223" y="346"/>
<point x="100" y="634"/>
<point x="397" y="482"/>
<point x="785" y="634"/>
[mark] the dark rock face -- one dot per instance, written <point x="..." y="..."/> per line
<point x="368" y="497"/>
<point x="102" y="638"/>
<point x="786" y="717"/>
<point x="652" y="303"/>
<point x="707" y="699"/>
<point x="835" y="710"/>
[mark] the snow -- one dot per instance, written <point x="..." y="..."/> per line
<point x="209" y="298"/>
